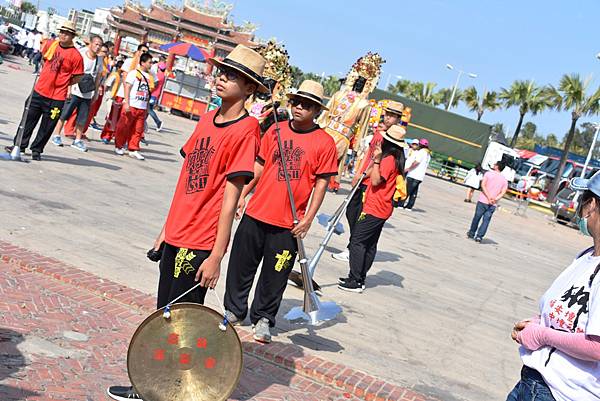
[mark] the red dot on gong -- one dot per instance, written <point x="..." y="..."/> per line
<point x="201" y="342"/>
<point x="173" y="338"/>
<point x="159" y="355"/>
<point x="210" y="362"/>
<point x="184" y="359"/>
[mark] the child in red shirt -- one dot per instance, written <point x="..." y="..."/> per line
<point x="388" y="163"/>
<point x="219" y="158"/>
<point x="267" y="230"/>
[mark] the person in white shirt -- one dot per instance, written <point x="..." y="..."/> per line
<point x="36" y="57"/>
<point x="79" y="101"/>
<point x="416" y="167"/>
<point x="29" y="44"/>
<point x="560" y="347"/>
<point x="4" y="28"/>
<point x="473" y="181"/>
<point x="130" y="128"/>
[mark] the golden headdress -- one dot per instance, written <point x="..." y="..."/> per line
<point x="368" y="67"/>
<point x="277" y="67"/>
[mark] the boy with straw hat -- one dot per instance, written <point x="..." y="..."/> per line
<point x="218" y="160"/>
<point x="267" y="231"/>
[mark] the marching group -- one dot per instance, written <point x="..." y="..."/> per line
<point x="226" y="158"/>
<point x="72" y="86"/>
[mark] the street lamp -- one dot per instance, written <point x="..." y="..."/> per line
<point x="589" y="155"/>
<point x="460" y="72"/>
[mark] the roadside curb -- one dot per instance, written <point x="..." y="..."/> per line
<point x="287" y="356"/>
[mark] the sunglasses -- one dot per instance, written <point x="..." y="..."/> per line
<point x="229" y="73"/>
<point x="306" y="104"/>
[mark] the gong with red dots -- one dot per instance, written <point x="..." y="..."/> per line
<point x="185" y="357"/>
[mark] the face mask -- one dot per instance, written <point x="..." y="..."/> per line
<point x="583" y="227"/>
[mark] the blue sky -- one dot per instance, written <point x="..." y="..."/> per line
<point x="500" y="41"/>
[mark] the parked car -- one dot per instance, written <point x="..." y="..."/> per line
<point x="6" y="44"/>
<point x="565" y="207"/>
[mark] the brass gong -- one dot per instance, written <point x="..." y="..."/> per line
<point x="185" y="357"/>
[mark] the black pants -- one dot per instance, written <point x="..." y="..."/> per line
<point x="49" y="111"/>
<point x="363" y="245"/>
<point x="178" y="267"/>
<point x="277" y="248"/>
<point x="412" y="189"/>
<point x="355" y="205"/>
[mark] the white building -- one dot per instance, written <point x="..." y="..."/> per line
<point x="100" y="23"/>
<point x="48" y="24"/>
<point x="82" y="20"/>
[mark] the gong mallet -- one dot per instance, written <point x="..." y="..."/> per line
<point x="312" y="310"/>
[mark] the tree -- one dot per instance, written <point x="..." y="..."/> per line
<point x="28" y="8"/>
<point x="331" y="84"/>
<point x="571" y="95"/>
<point x="422" y="92"/>
<point x="475" y="103"/>
<point x="528" y="97"/>
<point x="551" y="140"/>
<point x="582" y="139"/>
<point x="401" y="87"/>
<point x="296" y="76"/>
<point x="529" y="137"/>
<point x="52" y="11"/>
<point x="444" y="95"/>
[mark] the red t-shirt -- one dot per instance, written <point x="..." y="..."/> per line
<point x="309" y="154"/>
<point x="55" y="78"/>
<point x="213" y="154"/>
<point x="378" y="199"/>
<point x="376" y="140"/>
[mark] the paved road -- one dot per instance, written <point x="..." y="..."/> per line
<point x="437" y="310"/>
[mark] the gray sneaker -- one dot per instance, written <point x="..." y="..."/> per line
<point x="57" y="140"/>
<point x="231" y="318"/>
<point x="79" y="145"/>
<point x="262" y="331"/>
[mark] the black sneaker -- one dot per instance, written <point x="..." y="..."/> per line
<point x="36" y="156"/>
<point x="342" y="280"/>
<point x="122" y="393"/>
<point x="478" y="240"/>
<point x="351" y="285"/>
<point x="469" y="236"/>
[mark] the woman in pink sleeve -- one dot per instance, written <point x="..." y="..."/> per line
<point x="560" y="348"/>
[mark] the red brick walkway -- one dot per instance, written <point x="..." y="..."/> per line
<point x="64" y="335"/>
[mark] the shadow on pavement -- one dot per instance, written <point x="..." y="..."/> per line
<point x="385" y="256"/>
<point x="11" y="362"/>
<point x="80" y="162"/>
<point x="385" y="278"/>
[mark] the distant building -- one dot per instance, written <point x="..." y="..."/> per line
<point x="100" y="25"/>
<point x="205" y="23"/>
<point x="49" y="23"/>
<point x="82" y="20"/>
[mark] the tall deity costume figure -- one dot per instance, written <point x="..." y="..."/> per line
<point x="347" y="120"/>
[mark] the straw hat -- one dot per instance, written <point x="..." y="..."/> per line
<point x="246" y="61"/>
<point x="394" y="107"/>
<point x="68" y="26"/>
<point x="310" y="90"/>
<point x="395" y="134"/>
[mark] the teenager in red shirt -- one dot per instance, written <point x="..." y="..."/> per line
<point x="219" y="159"/>
<point x="267" y="230"/>
<point x="388" y="163"/>
<point x="392" y="115"/>
<point x="63" y="66"/>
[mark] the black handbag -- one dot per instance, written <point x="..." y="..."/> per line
<point x="87" y="83"/>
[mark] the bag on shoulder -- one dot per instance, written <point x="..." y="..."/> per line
<point x="401" y="192"/>
<point x="87" y="83"/>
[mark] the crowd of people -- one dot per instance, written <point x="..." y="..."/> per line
<point x="72" y="86"/>
<point x="227" y="157"/>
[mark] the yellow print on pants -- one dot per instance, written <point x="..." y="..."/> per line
<point x="283" y="260"/>
<point x="54" y="113"/>
<point x="182" y="262"/>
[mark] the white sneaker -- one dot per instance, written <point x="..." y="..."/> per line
<point x="344" y="256"/>
<point x="136" y="154"/>
<point x="120" y="151"/>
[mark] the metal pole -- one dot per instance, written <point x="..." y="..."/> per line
<point x="589" y="155"/>
<point x="454" y="89"/>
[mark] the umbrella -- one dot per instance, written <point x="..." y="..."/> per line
<point x="186" y="49"/>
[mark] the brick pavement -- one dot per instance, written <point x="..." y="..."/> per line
<point x="43" y="301"/>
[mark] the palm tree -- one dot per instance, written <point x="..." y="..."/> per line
<point x="422" y="92"/>
<point x="444" y="95"/>
<point x="528" y="97"/>
<point x="571" y="95"/>
<point x="400" y="87"/>
<point x="489" y="101"/>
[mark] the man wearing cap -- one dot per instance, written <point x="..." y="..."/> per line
<point x="266" y="232"/>
<point x="392" y="115"/>
<point x="63" y="66"/>
<point x="219" y="159"/>
<point x="416" y="168"/>
<point x="493" y="188"/>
